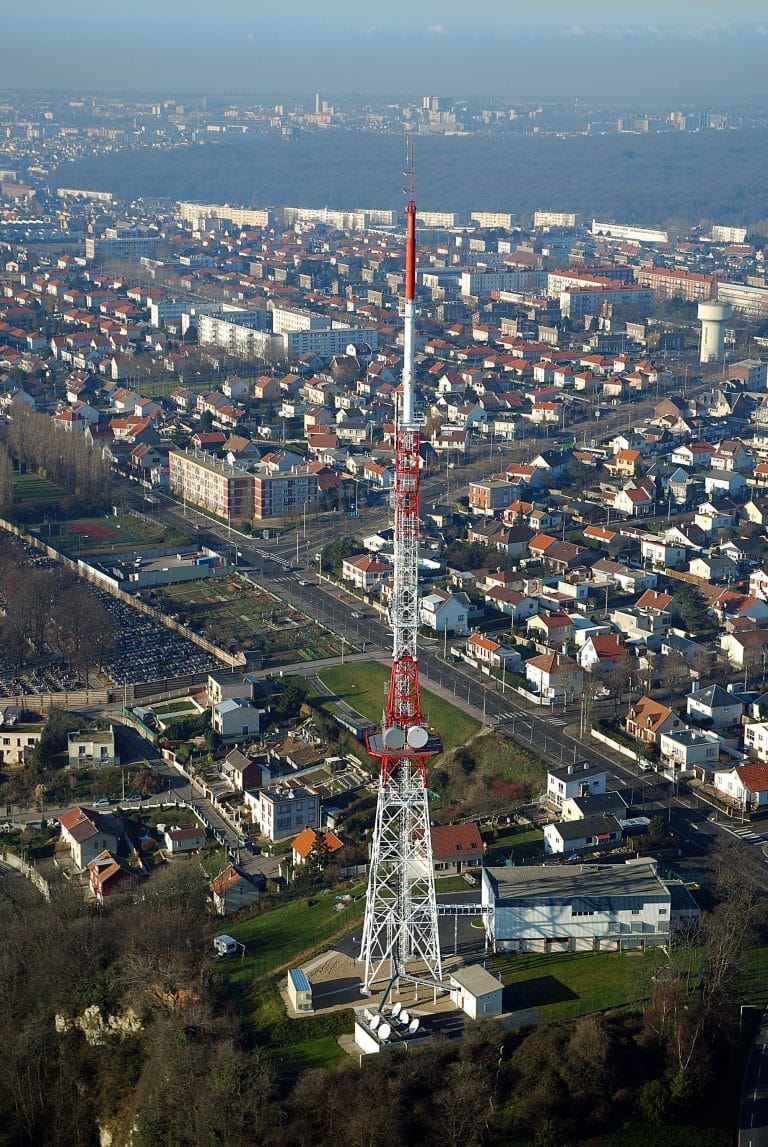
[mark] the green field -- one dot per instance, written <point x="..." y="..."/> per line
<point x="363" y="685"/>
<point x="31" y="490"/>
<point x="561" y="987"/>
<point x="127" y="534"/>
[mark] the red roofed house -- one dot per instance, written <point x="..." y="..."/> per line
<point x="600" y="653"/>
<point x="364" y="571"/>
<point x="554" y="629"/>
<point x="456" y="848"/>
<point x="310" y="839"/>
<point x="234" y="889"/>
<point x="745" y="785"/>
<point x="108" y="874"/>
<point x="648" y="719"/>
<point x="489" y="652"/>
<point x="554" y="677"/>
<point x="185" y="838"/>
<point x="88" y="833"/>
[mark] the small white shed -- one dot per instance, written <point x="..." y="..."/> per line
<point x="476" y="991"/>
<point x="300" y="991"/>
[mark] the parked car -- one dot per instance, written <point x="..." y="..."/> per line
<point x="102" y="802"/>
<point x="135" y="797"/>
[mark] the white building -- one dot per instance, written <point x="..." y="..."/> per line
<point x="581" y="907"/>
<point x="577" y="780"/>
<point x="476" y="991"/>
<point x="584" y="834"/>
<point x="745" y="785"/>
<point x="94" y="747"/>
<point x="280" y="813"/>
<point x="234" y="719"/>
<point x="684" y="749"/>
<point x="445" y="612"/>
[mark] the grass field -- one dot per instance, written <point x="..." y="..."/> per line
<point x="363" y="685"/>
<point x="561" y="987"/>
<point x="31" y="490"/>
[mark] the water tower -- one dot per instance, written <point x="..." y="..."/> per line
<point x="713" y="317"/>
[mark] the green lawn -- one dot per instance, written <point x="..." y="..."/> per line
<point x="560" y="987"/>
<point x="30" y="490"/>
<point x="364" y="684"/>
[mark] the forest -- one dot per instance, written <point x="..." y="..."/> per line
<point x="644" y="179"/>
<point x="118" y="1020"/>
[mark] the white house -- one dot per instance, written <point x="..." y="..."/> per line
<point x="445" y="612"/>
<point x="88" y="833"/>
<point x="94" y="747"/>
<point x="282" y="812"/>
<point x="234" y="719"/>
<point x="660" y="552"/>
<point x="685" y="749"/>
<point x="581" y="907"/>
<point x="497" y="655"/>
<point x="745" y="785"/>
<point x="554" y="677"/>
<point x="185" y="838"/>
<point x="575" y="781"/>
<point x="715" y="706"/>
<point x="756" y="739"/>
<point x="586" y="833"/>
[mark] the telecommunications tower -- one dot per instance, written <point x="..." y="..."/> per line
<point x="400" y="937"/>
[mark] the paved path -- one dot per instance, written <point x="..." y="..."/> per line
<point x="753" y="1117"/>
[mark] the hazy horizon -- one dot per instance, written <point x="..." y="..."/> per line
<point x="498" y="48"/>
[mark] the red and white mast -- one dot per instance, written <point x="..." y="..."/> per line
<point x="400" y="933"/>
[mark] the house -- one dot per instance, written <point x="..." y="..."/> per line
<point x="184" y="838"/>
<point x="227" y="684"/>
<point x="517" y="606"/>
<point x="444" y="612"/>
<point x="554" y="677"/>
<point x="714" y="706"/>
<point x="18" y="738"/>
<point x="284" y="812"/>
<point x="647" y="719"/>
<point x="234" y="719"/>
<point x="685" y="750"/>
<point x="600" y="653"/>
<point x="299" y="991"/>
<point x="108" y="874"/>
<point x="746" y="786"/>
<point x="312" y="840"/>
<point x="660" y="552"/>
<point x="579" y="780"/>
<point x="365" y="572"/>
<point x="588" y="833"/>
<point x="553" y="629"/>
<point x="234" y="889"/>
<point x="88" y="833"/>
<point x="456" y="848"/>
<point x="746" y="649"/>
<point x="243" y="772"/>
<point x="581" y="907"/>
<point x="594" y="804"/>
<point x="495" y="654"/>
<point x="476" y="991"/>
<point x="94" y="747"/>
<point x="756" y="739"/>
<point x="730" y="483"/>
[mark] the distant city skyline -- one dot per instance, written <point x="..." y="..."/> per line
<point x="500" y="48"/>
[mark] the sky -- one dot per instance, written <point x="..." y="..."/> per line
<point x="511" y="49"/>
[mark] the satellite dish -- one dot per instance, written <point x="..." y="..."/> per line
<point x="375" y="1021"/>
<point x="385" y="1031"/>
<point x="368" y="1014"/>
<point x="413" y="1026"/>
<point x="396" y="1010"/>
<point x="405" y="1019"/>
<point x="393" y="737"/>
<point x="417" y="736"/>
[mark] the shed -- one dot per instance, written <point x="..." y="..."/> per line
<point x="300" y="991"/>
<point x="476" y="991"/>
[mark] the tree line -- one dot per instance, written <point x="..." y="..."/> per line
<point x="34" y="443"/>
<point x="174" y="1066"/>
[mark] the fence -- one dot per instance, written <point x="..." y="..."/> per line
<point x="31" y="873"/>
<point x="625" y="750"/>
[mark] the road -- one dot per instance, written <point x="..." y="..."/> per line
<point x="753" y="1118"/>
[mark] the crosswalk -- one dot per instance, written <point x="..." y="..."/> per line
<point x="748" y="835"/>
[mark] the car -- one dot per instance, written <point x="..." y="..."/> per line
<point x="102" y="802"/>
<point x="645" y="767"/>
<point x="356" y="614"/>
<point x="135" y="797"/>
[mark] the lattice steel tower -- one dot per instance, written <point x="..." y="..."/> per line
<point x="400" y="935"/>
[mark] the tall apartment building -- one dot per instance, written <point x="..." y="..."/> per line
<point x="500" y="219"/>
<point x="671" y="284"/>
<point x="122" y="247"/>
<point x="275" y="495"/>
<point x="554" y="219"/>
<point x="629" y="232"/>
<point x="483" y="282"/>
<point x="199" y="213"/>
<point x="211" y="484"/>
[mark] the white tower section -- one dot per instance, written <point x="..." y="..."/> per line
<point x="713" y="317"/>
<point x="400" y="932"/>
